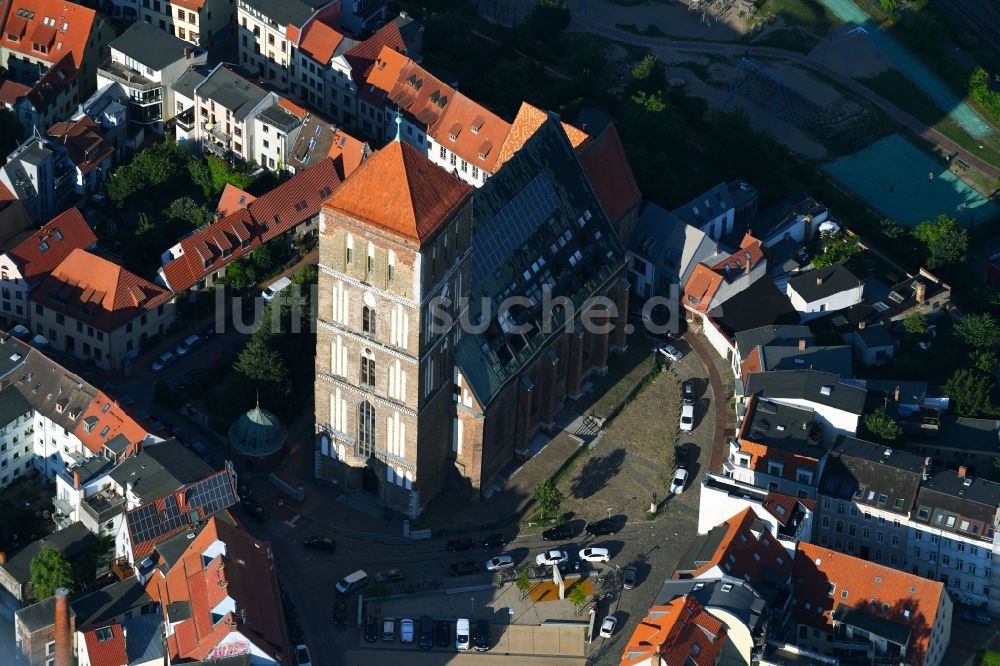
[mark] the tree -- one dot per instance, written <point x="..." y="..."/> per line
<point x="264" y="366"/>
<point x="946" y="242"/>
<point x="50" y="570"/>
<point x="837" y="248"/>
<point x="889" y="6"/>
<point x="186" y="210"/>
<point x="882" y="426"/>
<point x="308" y="274"/>
<point x="523" y="583"/>
<point x="916" y="324"/>
<point x="548" y="497"/>
<point x="240" y="275"/>
<point x="378" y="590"/>
<point x="577" y="596"/>
<point x="971" y="390"/>
<point x="979" y="331"/>
<point x="261" y="258"/>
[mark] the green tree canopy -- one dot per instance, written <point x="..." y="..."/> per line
<point x="916" y="324"/>
<point x="50" y="570"/>
<point x="188" y="212"/>
<point x="548" y="497"/>
<point x="972" y="392"/>
<point x="979" y="331"/>
<point x="577" y="595"/>
<point x="946" y="242"/>
<point x="883" y="427"/>
<point x="306" y="275"/>
<point x="263" y="366"/>
<point x="837" y="248"/>
<point x="240" y="274"/>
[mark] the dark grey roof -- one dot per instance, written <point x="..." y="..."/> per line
<point x="280" y="117"/>
<point x="540" y="205"/>
<point x="822" y="388"/>
<point x="40" y="615"/>
<point x="672" y="245"/>
<point x="823" y="282"/>
<point x="172" y="548"/>
<point x="99" y="606"/>
<point x="70" y="541"/>
<point x="758" y="305"/>
<point x="117" y="444"/>
<point x="189" y="80"/>
<point x="232" y="91"/>
<point x="702" y="548"/>
<point x="53" y="390"/>
<point x="706" y="206"/>
<point x="160" y="469"/>
<point x="287" y="12"/>
<point x="867" y="472"/>
<point x="965" y="433"/>
<point x="13" y="353"/>
<point x="947" y="493"/>
<point x="773" y="335"/>
<point x="784" y="214"/>
<point x="910" y="392"/>
<point x="835" y="359"/>
<point x="783" y="427"/>
<point x="733" y="595"/>
<point x="143" y="641"/>
<point x="858" y="616"/>
<point x="312" y="142"/>
<point x="179" y="610"/>
<point x="92" y="468"/>
<point x="149" y="46"/>
<point x="875" y="336"/>
<point x="12" y="405"/>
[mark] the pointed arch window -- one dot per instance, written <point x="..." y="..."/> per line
<point x="368" y="368"/>
<point x="366" y="430"/>
<point x="368" y="320"/>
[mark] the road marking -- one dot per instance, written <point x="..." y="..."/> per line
<point x="295" y="519"/>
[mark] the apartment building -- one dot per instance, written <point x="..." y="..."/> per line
<point x="40" y="175"/>
<point x="226" y="104"/>
<point x="838" y="405"/>
<point x="91" y="154"/>
<point x="195" y="21"/>
<point x="269" y="31"/>
<point x="40" y="97"/>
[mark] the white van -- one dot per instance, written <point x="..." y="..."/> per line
<point x="352" y="582"/>
<point x="462" y="634"/>
<point x="272" y="290"/>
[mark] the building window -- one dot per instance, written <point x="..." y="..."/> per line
<point x="366" y="430"/>
<point x="349" y="251"/>
<point x="368" y="320"/>
<point x="367" y="368"/>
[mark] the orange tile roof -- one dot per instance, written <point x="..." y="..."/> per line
<point x="73" y="24"/>
<point x="480" y="132"/>
<point x="64" y="233"/>
<point x="319" y="41"/>
<point x="362" y="57"/>
<point x="114" y="294"/>
<point x="609" y="173"/>
<point x="232" y="200"/>
<point x="527" y="121"/>
<point x="401" y="191"/>
<point x="898" y="596"/>
<point x="705" y="280"/>
<point x="292" y="107"/>
<point x="751" y="364"/>
<point x="86" y="145"/>
<point x="742" y="554"/>
<point x="679" y="633"/>
<point x="12" y="91"/>
<point x="6" y="194"/>
<point x="246" y="574"/>
<point x="347" y="153"/>
<point x="109" y="652"/>
<point x="192" y="5"/>
<point x="112" y="420"/>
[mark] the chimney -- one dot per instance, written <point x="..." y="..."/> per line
<point x="819" y="280"/>
<point x="76" y="479"/>
<point x="861" y="325"/>
<point x="3" y="557"/>
<point x="895" y="395"/>
<point x="802" y="345"/>
<point x="63" y="631"/>
<point x="920" y="291"/>
<point x="961" y="471"/>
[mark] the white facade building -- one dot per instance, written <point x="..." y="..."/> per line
<point x="825" y="290"/>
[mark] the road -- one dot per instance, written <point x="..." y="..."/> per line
<point x="661" y="46"/>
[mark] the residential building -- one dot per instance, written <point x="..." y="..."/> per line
<point x="952" y="536"/>
<point x="40" y="175"/>
<point x="15" y="570"/>
<point x="888" y="303"/>
<point x="664" y="251"/>
<point x="275" y="130"/>
<point x="680" y="631"/>
<point x="91" y="154"/>
<point x="220" y="596"/>
<point x="195" y="21"/>
<point x="759" y="304"/>
<point x="866" y="494"/>
<point x="226" y="104"/>
<point x="26" y="264"/>
<point x="43" y="31"/>
<point x="818" y="292"/>
<point x="147" y="62"/>
<point x="269" y="30"/>
<point x="796" y="218"/>
<point x="745" y="342"/>
<point x="866" y="613"/>
<point x="836" y="359"/>
<point x="185" y="131"/>
<point x="956" y="441"/>
<point x="362" y="16"/>
<point x="155" y="471"/>
<point x="135" y="642"/>
<point x="790" y="518"/>
<point x="98" y="311"/>
<point x="838" y="405"/>
<point x="39" y="99"/>
<point x="319" y="73"/>
<point x="606" y="164"/>
<point x="108" y="107"/>
<point x="724" y="209"/>
<point x="380" y="361"/>
<point x="873" y="345"/>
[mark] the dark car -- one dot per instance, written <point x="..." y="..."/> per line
<point x="457" y="545"/>
<point x="256" y="510"/>
<point x="426" y="640"/>
<point x="558" y="533"/>
<point x="243" y="491"/>
<point x="319" y="543"/>
<point x="628" y="578"/>
<point x="976" y="617"/>
<point x="393" y="575"/>
<point x="494" y="541"/>
<point x="295" y="632"/>
<point x="603" y="527"/>
<point x="681" y="455"/>
<point x="466" y="568"/>
<point x="481" y="638"/>
<point x="371" y="629"/>
<point x="443" y="633"/>
<point x="340" y="614"/>
<point x="687" y="391"/>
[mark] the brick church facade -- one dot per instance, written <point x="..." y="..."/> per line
<point x="426" y="377"/>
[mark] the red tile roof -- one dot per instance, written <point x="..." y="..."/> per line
<point x="73" y="24"/>
<point x="111" y="420"/>
<point x="527" y="121"/>
<point x="401" y="191"/>
<point x="705" y="280"/>
<point x="680" y="633"/>
<point x="113" y="295"/>
<point x="825" y="579"/>
<point x="213" y="246"/>
<point x="58" y="78"/>
<point x="319" y="41"/>
<point x="86" y="145"/>
<point x="608" y="170"/>
<point x="782" y="506"/>
<point x="232" y="200"/>
<point x="11" y="92"/>
<point x="362" y="57"/>
<point x="347" y="153"/>
<point x="245" y="577"/>
<point x="108" y="652"/>
<point x="64" y="233"/>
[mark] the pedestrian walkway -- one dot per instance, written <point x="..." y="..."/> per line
<point x="719" y="390"/>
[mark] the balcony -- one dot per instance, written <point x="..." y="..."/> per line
<point x="130" y="79"/>
<point x="103" y="506"/>
<point x="185" y="120"/>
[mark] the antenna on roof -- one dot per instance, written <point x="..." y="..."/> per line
<point x="399" y="124"/>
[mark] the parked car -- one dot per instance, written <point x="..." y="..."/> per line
<point x="595" y="555"/>
<point x="551" y="557"/>
<point x="371" y="629"/>
<point x="558" y="533"/>
<point x="278" y="285"/>
<point x="388" y="629"/>
<point x="499" y="563"/>
<point x="458" y="545"/>
<point x="466" y="568"/>
<point x="443" y="633"/>
<point x="494" y="541"/>
<point x="603" y="527"/>
<point x="243" y="491"/>
<point x="393" y="575"/>
<point x="680" y="480"/>
<point x="462" y="638"/>
<point x="302" y="657"/>
<point x="608" y="626"/>
<point x="406" y="630"/>
<point x="340" y="614"/>
<point x="189" y="342"/>
<point x="687" y="391"/>
<point x="628" y="578"/>
<point x="481" y="640"/>
<point x="256" y="510"/>
<point x="426" y="633"/>
<point x="687" y="418"/>
<point x="681" y="454"/>
<point x="165" y="359"/>
<point x="669" y="351"/>
<point x="976" y="617"/>
<point x="319" y="543"/>
<point x="295" y="632"/>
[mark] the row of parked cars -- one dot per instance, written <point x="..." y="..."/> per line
<point x="189" y="343"/>
<point x="429" y="633"/>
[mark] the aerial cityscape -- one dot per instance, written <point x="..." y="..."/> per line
<point x="540" y="332"/>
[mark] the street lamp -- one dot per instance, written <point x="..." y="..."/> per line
<point x="609" y="512"/>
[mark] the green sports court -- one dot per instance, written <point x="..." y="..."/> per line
<point x="893" y="176"/>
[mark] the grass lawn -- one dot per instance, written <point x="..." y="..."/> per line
<point x="990" y="658"/>
<point x="625" y="371"/>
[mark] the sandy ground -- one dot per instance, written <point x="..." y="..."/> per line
<point x="676" y="19"/>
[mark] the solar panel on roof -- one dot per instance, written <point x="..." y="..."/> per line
<point x="212" y="494"/>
